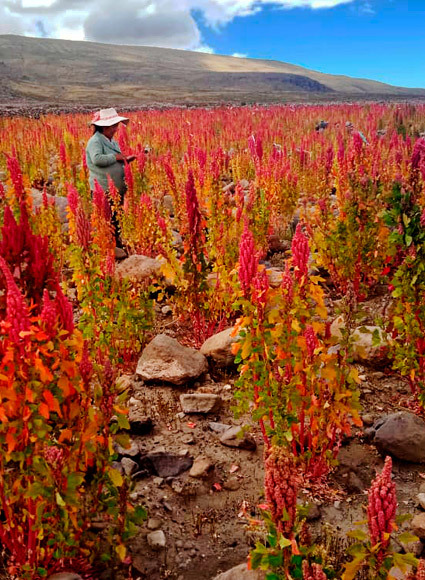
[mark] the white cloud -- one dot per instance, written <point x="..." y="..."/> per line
<point x="239" y="55"/>
<point x="166" y="23"/>
<point x="205" y="48"/>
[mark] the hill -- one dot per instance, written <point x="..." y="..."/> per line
<point x="61" y="71"/>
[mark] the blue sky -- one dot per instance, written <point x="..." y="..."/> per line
<point x="380" y="39"/>
<point x="377" y="39"/>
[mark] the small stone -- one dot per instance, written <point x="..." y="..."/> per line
<point x="241" y="572"/>
<point x="201" y="467"/>
<point x="154" y="523"/>
<point x="235" y="437"/>
<point x="421" y="500"/>
<point x="166" y="310"/>
<point x="188" y="439"/>
<point x="129" y="465"/>
<point x="368" y="419"/>
<point x="232" y="484"/>
<point x="200" y="403"/>
<point x="418" y="525"/>
<point x="218" y="427"/>
<point x="131" y="451"/>
<point x="158" y="481"/>
<point x="157" y="540"/>
<point x="313" y="512"/>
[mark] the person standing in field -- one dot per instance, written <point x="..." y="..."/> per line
<point x="104" y="157"/>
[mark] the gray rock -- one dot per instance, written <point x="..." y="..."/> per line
<point x="241" y="572"/>
<point x="129" y="465"/>
<point x="169" y="465"/>
<point x="218" y="427"/>
<point x="219" y="347"/>
<point x="275" y="277"/>
<point x="234" y="437"/>
<point x="132" y="451"/>
<point x="154" y="523"/>
<point x="402" y="435"/>
<point x="201" y="467"/>
<point x="421" y="500"/>
<point x="157" y="540"/>
<point x="362" y="343"/>
<point x="200" y="403"/>
<point x="61" y="203"/>
<point x="418" y="526"/>
<point x="165" y="359"/>
<point x="138" y="268"/>
<point x="168" y="204"/>
<point x="232" y="484"/>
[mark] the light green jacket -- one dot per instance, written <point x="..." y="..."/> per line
<point x="101" y="162"/>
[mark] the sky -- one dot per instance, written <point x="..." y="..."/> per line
<point x="377" y="39"/>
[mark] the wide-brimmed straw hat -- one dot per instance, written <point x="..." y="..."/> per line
<point x="107" y="117"/>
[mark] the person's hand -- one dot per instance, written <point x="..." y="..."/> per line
<point x="130" y="158"/>
<point x="120" y="157"/>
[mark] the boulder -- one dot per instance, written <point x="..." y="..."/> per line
<point x="61" y="203"/>
<point x="129" y="465"/>
<point x="275" y="277"/>
<point x="418" y="526"/>
<point x="169" y="465"/>
<point x="138" y="268"/>
<point x="219" y="347"/>
<point x="200" y="403"/>
<point x="164" y="359"/>
<point x="364" y="347"/>
<point x="235" y="437"/>
<point x="402" y="435"/>
<point x="241" y="572"/>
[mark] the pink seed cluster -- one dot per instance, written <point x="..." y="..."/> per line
<point x="382" y="506"/>
<point x="313" y="572"/>
<point x="16" y="309"/>
<point x="281" y="488"/>
<point x="311" y="340"/>
<point x="300" y="253"/>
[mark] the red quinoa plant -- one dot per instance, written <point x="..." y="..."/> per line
<point x="56" y="423"/>
<point x="374" y="551"/>
<point x="304" y="394"/>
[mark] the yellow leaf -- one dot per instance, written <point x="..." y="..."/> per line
<point x="246" y="348"/>
<point x="115" y="477"/>
<point x="121" y="551"/>
<point x="295" y="325"/>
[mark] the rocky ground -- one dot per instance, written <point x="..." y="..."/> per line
<point x="201" y="482"/>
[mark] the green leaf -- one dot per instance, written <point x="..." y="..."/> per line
<point x="74" y="480"/>
<point x="256" y="558"/>
<point x="358" y="535"/>
<point x="284" y="542"/>
<point x="275" y="560"/>
<point x="403" y="518"/>
<point x="403" y="561"/>
<point x="123" y="421"/>
<point x="407" y="537"/>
